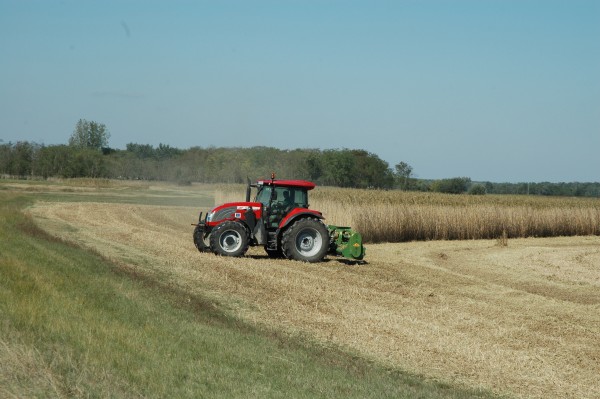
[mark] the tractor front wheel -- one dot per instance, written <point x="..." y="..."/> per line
<point x="201" y="240"/>
<point x="229" y="239"/>
<point x="306" y="240"/>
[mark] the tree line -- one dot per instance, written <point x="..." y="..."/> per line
<point x="88" y="155"/>
<point x="343" y="168"/>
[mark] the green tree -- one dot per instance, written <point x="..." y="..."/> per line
<point x="371" y="171"/>
<point x="455" y="185"/>
<point x="314" y="166"/>
<point x="140" y="150"/>
<point x="89" y="134"/>
<point x="23" y="154"/>
<point x="402" y="174"/>
<point x="477" y="189"/>
<point x="90" y="164"/>
<point x="66" y="161"/>
<point x="54" y="161"/>
<point x="165" y="151"/>
<point x="5" y="157"/>
<point x="338" y="168"/>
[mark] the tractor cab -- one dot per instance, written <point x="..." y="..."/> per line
<point x="280" y="197"/>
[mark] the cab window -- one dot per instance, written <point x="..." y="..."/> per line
<point x="298" y="197"/>
<point x="294" y="196"/>
<point x="263" y="195"/>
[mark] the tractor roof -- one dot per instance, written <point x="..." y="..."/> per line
<point x="288" y="183"/>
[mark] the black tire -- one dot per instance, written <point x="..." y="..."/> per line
<point x="306" y="240"/>
<point x="274" y="253"/>
<point x="229" y="239"/>
<point x="201" y="241"/>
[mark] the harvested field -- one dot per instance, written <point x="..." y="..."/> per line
<point x="521" y="319"/>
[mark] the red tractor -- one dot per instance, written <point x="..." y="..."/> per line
<point x="278" y="219"/>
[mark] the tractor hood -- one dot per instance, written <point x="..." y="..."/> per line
<point x="231" y="211"/>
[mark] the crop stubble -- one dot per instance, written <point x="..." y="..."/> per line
<point x="522" y="319"/>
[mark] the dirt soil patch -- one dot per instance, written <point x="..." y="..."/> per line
<point x="522" y="319"/>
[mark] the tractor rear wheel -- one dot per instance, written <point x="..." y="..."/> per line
<point x="306" y="240"/>
<point x="229" y="239"/>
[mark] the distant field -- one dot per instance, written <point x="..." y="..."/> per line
<point x="519" y="317"/>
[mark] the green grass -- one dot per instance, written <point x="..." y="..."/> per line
<point x="112" y="191"/>
<point x="75" y="325"/>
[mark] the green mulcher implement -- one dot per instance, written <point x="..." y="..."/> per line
<point x="279" y="220"/>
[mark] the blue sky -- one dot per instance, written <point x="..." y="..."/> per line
<point x="494" y="90"/>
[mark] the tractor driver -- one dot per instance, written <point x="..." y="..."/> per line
<point x="288" y="202"/>
<point x="281" y="207"/>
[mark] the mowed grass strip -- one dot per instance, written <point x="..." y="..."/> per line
<point x="74" y="325"/>
<point x="113" y="191"/>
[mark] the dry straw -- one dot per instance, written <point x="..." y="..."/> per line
<point x="396" y="216"/>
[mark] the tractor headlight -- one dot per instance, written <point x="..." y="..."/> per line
<point x="209" y="216"/>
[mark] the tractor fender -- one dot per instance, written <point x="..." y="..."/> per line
<point x="297" y="213"/>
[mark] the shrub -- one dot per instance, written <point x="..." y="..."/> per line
<point x="477" y="189"/>
<point x="456" y="185"/>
